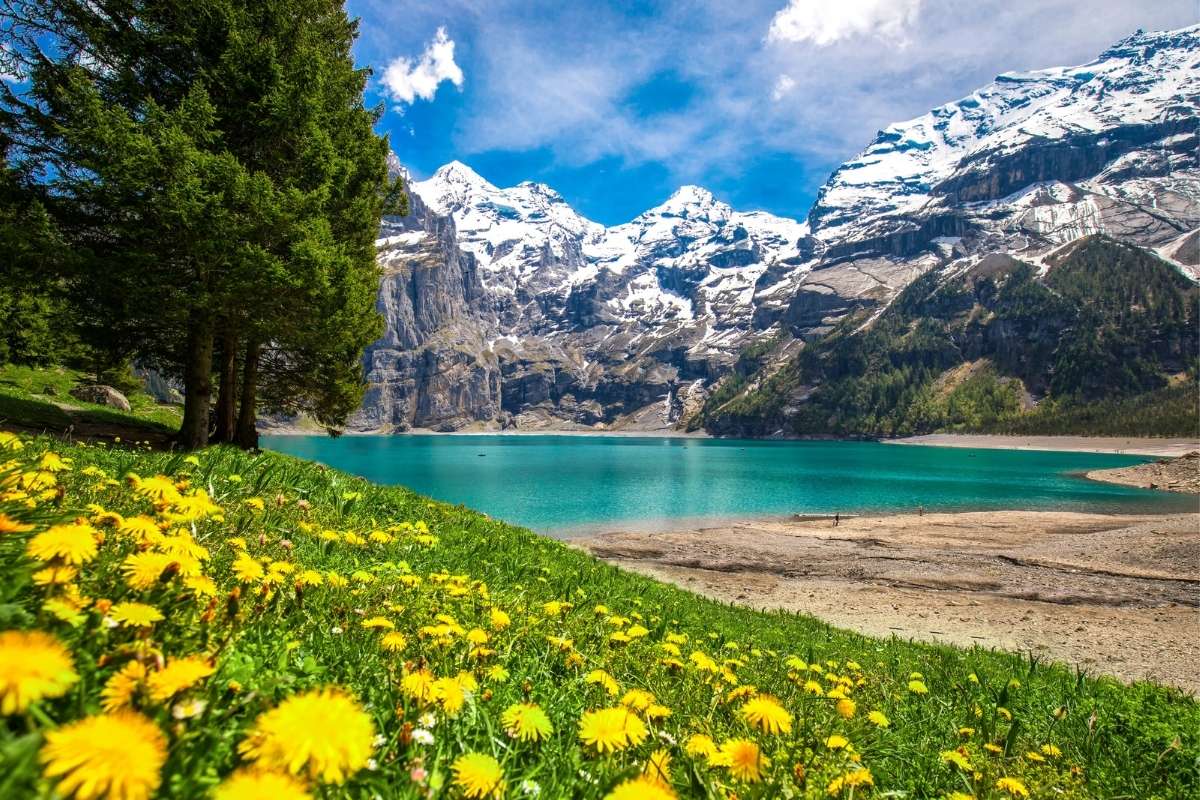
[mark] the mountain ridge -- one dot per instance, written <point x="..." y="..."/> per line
<point x="564" y="322"/>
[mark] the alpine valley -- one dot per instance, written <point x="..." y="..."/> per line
<point x="948" y="238"/>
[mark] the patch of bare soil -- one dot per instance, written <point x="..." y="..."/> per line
<point x="1172" y="474"/>
<point x="1147" y="446"/>
<point x="1117" y="595"/>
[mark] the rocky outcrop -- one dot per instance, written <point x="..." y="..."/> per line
<point x="101" y="395"/>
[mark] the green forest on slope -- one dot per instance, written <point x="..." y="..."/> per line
<point x="1104" y="343"/>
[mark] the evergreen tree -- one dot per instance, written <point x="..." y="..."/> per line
<point x="215" y="172"/>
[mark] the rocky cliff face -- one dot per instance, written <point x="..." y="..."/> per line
<point x="505" y="307"/>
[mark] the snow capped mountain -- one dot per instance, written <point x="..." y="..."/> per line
<point x="1141" y="94"/>
<point x="506" y="307"/>
<point x="679" y="260"/>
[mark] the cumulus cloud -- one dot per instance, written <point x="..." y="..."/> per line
<point x="783" y="84"/>
<point x="406" y="79"/>
<point x="823" y="23"/>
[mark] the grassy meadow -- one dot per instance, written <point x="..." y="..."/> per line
<point x="236" y="626"/>
<point x="39" y="399"/>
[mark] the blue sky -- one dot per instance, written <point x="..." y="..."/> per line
<point x="617" y="104"/>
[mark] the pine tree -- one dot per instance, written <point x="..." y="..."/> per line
<point x="217" y="176"/>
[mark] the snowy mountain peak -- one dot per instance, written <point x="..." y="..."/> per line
<point x="691" y="202"/>
<point x="1146" y="85"/>
<point x="458" y="172"/>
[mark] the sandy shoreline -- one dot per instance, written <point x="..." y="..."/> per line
<point x="1129" y="445"/>
<point x="1117" y="595"/>
<point x="1085" y="444"/>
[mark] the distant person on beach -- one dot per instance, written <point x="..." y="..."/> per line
<point x="837" y="518"/>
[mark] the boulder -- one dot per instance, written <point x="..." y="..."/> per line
<point x="102" y="395"/>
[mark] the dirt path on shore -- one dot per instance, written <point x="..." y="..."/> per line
<point x="1144" y="446"/>
<point x="1118" y="595"/>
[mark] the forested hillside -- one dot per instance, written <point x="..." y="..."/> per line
<point x="1105" y="342"/>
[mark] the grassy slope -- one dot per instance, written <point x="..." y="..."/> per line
<point x="24" y="403"/>
<point x="1116" y="741"/>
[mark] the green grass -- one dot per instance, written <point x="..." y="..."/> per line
<point x="31" y="398"/>
<point x="1118" y="741"/>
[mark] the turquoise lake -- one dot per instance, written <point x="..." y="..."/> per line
<point x="579" y="484"/>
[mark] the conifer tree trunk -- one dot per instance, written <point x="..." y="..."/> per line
<point x="227" y="390"/>
<point x="247" y="430"/>
<point x="197" y="386"/>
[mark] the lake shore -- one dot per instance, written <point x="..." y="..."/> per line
<point x="1127" y="445"/>
<point x="1117" y="595"/>
<point x="1144" y="446"/>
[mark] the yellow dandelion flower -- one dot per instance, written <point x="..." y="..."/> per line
<point x="992" y="747"/>
<point x="846" y="707"/>
<point x="699" y="744"/>
<point x="378" y="622"/>
<point x="252" y="784"/>
<point x="478" y="775"/>
<point x="179" y="674"/>
<point x="606" y="681"/>
<point x="159" y="489"/>
<point x="140" y="528"/>
<point x="814" y="688"/>
<point x="53" y="462"/>
<point x="323" y="734"/>
<point x="10" y="525"/>
<point x="860" y="777"/>
<point x="765" y="713"/>
<point x="450" y="694"/>
<point x="201" y="585"/>
<point x="638" y="699"/>
<point x="918" y="687"/>
<point x="247" y="568"/>
<point x="10" y="441"/>
<point x="657" y="711"/>
<point x="143" y="570"/>
<point x="135" y="615"/>
<point x="641" y="789"/>
<point x="497" y="674"/>
<point x="55" y="575"/>
<point x="958" y="759"/>
<point x="658" y="768"/>
<point x="1035" y="756"/>
<point x="310" y="577"/>
<point x="879" y="719"/>
<point x="743" y="759"/>
<point x="526" y="722"/>
<point x="74" y="543"/>
<point x="393" y="642"/>
<point x="837" y="742"/>
<point x="120" y="689"/>
<point x="33" y="665"/>
<point x="113" y="756"/>
<point x="418" y="686"/>
<point x="611" y="729"/>
<point x="1051" y="751"/>
<point x="1012" y="787"/>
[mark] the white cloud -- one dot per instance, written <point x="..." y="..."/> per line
<point x="407" y="80"/>
<point x="824" y="22"/>
<point x="783" y="84"/>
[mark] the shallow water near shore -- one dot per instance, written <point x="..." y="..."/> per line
<point x="567" y="485"/>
